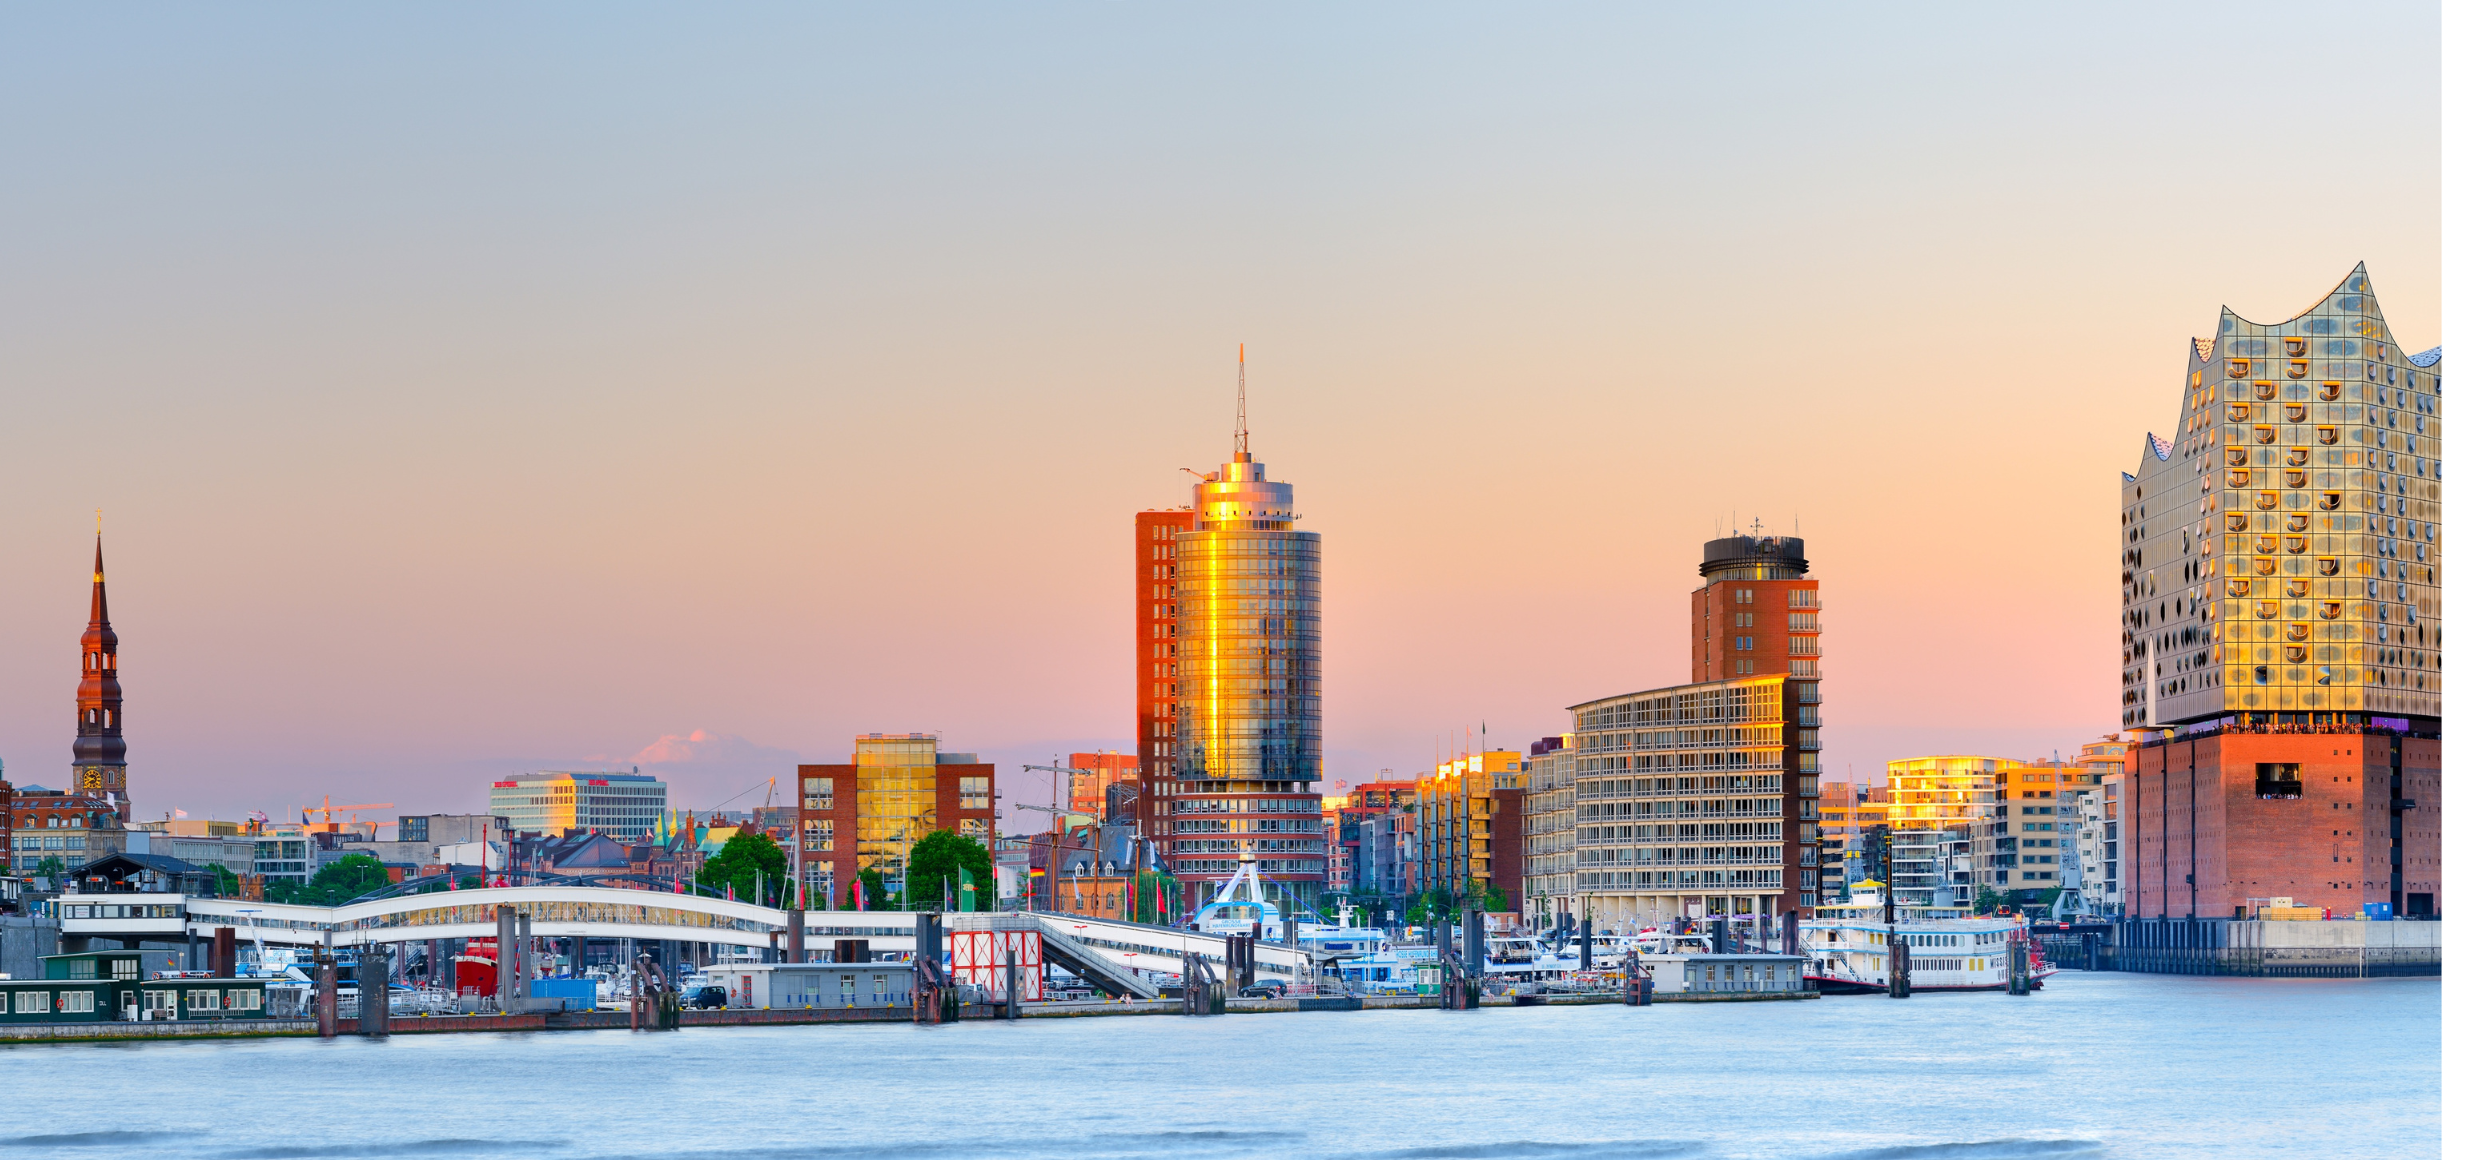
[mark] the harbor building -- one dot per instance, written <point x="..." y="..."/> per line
<point x="73" y="826"/>
<point x="627" y="805"/>
<point x="1247" y="643"/>
<point x="2280" y="565"/>
<point x="897" y="789"/>
<point x="1158" y="669"/>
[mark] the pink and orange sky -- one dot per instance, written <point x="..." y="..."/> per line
<point x="470" y="391"/>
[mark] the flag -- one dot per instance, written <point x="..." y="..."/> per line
<point x="861" y="901"/>
<point x="728" y="895"/>
<point x="179" y="813"/>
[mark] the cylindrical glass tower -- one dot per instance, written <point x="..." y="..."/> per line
<point x="1249" y="688"/>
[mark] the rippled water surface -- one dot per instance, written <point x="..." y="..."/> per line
<point x="2098" y="1065"/>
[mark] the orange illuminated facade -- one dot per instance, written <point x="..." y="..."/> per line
<point x="1089" y="790"/>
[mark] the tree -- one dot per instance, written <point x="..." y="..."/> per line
<point x="1494" y="898"/>
<point x="749" y="861"/>
<point x="938" y="865"/>
<point x="227" y="883"/>
<point x="874" y="888"/>
<point x="1988" y="901"/>
<point x="51" y="867"/>
<point x="336" y="883"/>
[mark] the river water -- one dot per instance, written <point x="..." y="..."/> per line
<point x="2096" y="1065"/>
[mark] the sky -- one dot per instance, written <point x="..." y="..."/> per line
<point x="472" y="389"/>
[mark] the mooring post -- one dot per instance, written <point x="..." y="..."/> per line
<point x="524" y="965"/>
<point x="504" y="952"/>
<point x="372" y="973"/>
<point x="1011" y="982"/>
<point x="327" y="996"/>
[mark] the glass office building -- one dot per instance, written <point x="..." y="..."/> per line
<point x="626" y="806"/>
<point x="1248" y="700"/>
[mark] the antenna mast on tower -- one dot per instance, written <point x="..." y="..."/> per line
<point x="1240" y="425"/>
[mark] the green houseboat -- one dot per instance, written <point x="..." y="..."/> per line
<point x="103" y="986"/>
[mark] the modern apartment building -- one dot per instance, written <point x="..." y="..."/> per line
<point x="1846" y="812"/>
<point x="1248" y="703"/>
<point x="624" y="805"/>
<point x="1701" y="799"/>
<point x="1469" y="819"/>
<point x="1929" y="793"/>
<point x="1691" y="802"/>
<point x="1550" y="901"/>
<point x="897" y="789"/>
<point x="2280" y="622"/>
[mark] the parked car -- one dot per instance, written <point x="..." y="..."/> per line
<point x="1262" y="990"/>
<point x="704" y="997"/>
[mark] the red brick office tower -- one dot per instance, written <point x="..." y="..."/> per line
<point x="1755" y="615"/>
<point x="100" y="764"/>
<point x="1158" y="670"/>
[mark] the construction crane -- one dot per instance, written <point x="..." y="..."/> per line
<point x="327" y="810"/>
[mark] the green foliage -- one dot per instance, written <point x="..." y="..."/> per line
<point x="1494" y="899"/>
<point x="747" y="861"/>
<point x="469" y="882"/>
<point x="938" y="865"/>
<point x="1988" y="901"/>
<point x="874" y="888"/>
<point x="1430" y="906"/>
<point x="51" y="867"/>
<point x="336" y="883"/>
<point x="1158" y="897"/>
<point x="227" y="883"/>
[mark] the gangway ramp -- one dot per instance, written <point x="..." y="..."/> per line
<point x="1062" y="949"/>
<point x="1159" y="948"/>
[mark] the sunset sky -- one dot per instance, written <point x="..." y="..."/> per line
<point x="475" y="389"/>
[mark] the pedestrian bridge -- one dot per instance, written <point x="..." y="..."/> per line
<point x="1108" y="953"/>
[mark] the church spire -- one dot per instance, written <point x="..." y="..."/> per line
<point x="99" y="762"/>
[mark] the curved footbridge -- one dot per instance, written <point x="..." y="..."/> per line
<point x="1109" y="954"/>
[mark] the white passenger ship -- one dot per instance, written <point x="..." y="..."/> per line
<point x="1847" y="945"/>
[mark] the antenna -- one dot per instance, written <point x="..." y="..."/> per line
<point x="1240" y="425"/>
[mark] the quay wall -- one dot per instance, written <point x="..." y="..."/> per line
<point x="2257" y="948"/>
